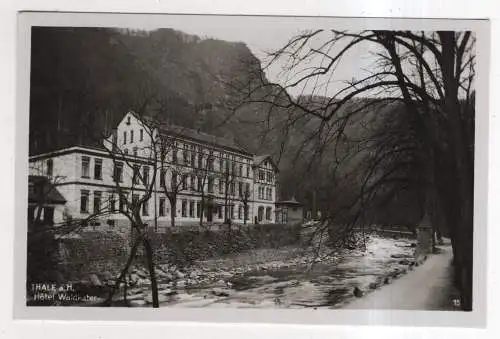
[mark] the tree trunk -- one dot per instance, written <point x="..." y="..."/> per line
<point x="152" y="273"/>
<point x="123" y="273"/>
<point x="245" y="212"/>
<point x="173" y="211"/>
<point x="202" y="208"/>
<point x="463" y="175"/>
<point x="314" y="208"/>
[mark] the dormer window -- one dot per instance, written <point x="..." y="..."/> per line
<point x="128" y="120"/>
<point x="141" y="134"/>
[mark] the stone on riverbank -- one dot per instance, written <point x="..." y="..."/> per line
<point x="141" y="273"/>
<point x="143" y="282"/>
<point x="94" y="280"/>
<point x="258" y="279"/>
<point x="134" y="278"/>
<point x="357" y="292"/>
<point x="220" y="292"/>
<point x="400" y="256"/>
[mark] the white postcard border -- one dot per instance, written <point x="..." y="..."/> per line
<point x="475" y="318"/>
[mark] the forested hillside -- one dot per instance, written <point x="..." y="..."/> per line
<point x="83" y="80"/>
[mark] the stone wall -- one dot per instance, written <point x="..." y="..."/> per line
<point x="103" y="253"/>
<point x="184" y="248"/>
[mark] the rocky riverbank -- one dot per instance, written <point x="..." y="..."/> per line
<point x="264" y="278"/>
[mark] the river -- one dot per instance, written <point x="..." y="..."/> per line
<point x="282" y="278"/>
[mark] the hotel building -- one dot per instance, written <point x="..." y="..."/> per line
<point x="207" y="172"/>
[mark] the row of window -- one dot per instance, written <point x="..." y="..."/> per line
<point x="282" y="217"/>
<point x="260" y="214"/>
<point x="141" y="136"/>
<point x="117" y="172"/>
<point x="189" y="208"/>
<point x="265" y="176"/>
<point x="144" y="177"/>
<point x="229" y="167"/>
<point x="86" y="168"/>
<point x="134" y="150"/>
<point x="199" y="160"/>
<point x="112" y="205"/>
<point x="197" y="183"/>
<point x="225" y="166"/>
<point x="190" y="151"/>
<point x="138" y="177"/>
<point x="265" y="193"/>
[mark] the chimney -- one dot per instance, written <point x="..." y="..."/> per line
<point x="114" y="139"/>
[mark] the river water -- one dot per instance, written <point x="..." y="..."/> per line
<point x="284" y="279"/>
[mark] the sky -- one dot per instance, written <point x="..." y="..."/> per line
<point x="265" y="34"/>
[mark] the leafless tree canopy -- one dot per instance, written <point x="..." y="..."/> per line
<point x="406" y="125"/>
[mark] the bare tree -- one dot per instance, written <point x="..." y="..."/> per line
<point x="245" y="195"/>
<point x="203" y="172"/>
<point x="136" y="180"/>
<point x="425" y="146"/>
<point x="130" y="181"/>
<point x="169" y="164"/>
<point x="228" y="178"/>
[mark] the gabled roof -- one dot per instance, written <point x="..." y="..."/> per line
<point x="164" y="129"/>
<point x="290" y="202"/>
<point x="135" y="115"/>
<point x="195" y="135"/>
<point x="66" y="150"/>
<point x="41" y="190"/>
<point x="259" y="159"/>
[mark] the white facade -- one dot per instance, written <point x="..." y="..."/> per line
<point x="264" y="192"/>
<point x="220" y="174"/>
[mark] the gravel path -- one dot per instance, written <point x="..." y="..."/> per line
<point x="427" y="287"/>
